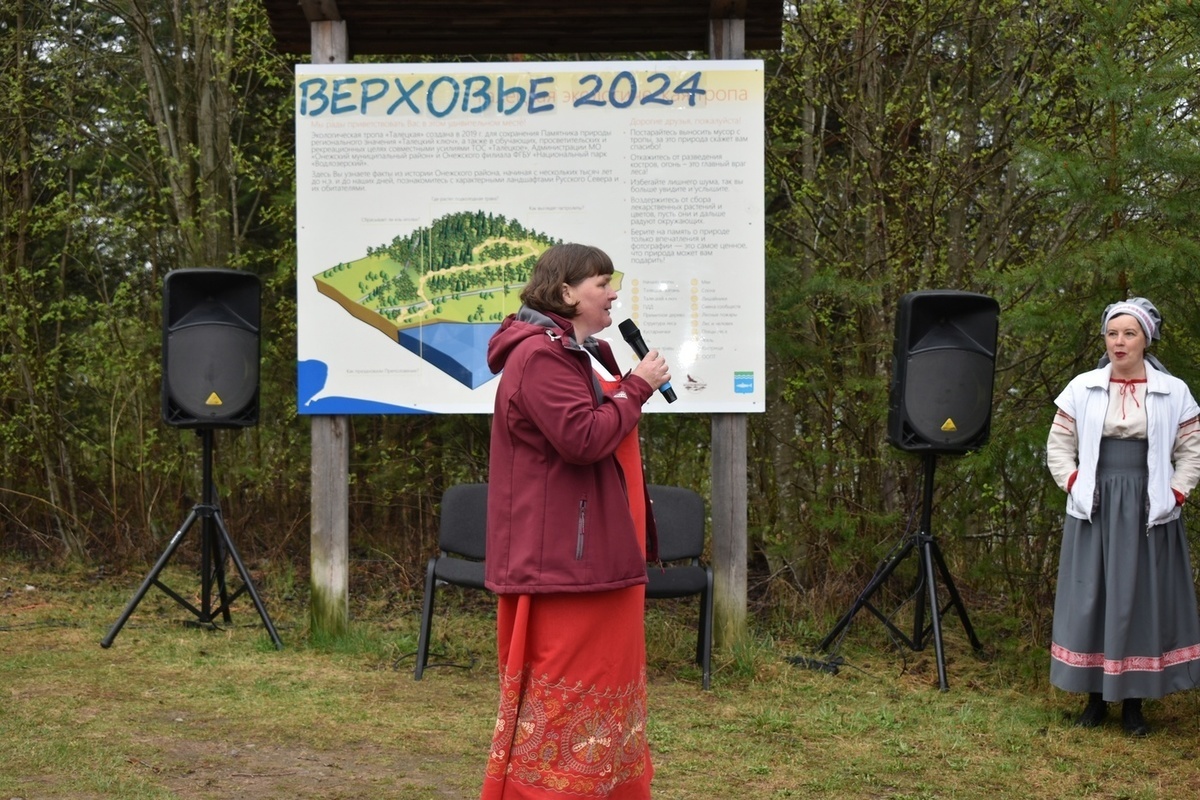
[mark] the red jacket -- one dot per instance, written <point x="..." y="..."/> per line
<point x="558" y="514"/>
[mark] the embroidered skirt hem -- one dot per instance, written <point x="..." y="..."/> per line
<point x="572" y="716"/>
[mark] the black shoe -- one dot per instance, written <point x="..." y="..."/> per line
<point x="1132" y="720"/>
<point x="1094" y="713"/>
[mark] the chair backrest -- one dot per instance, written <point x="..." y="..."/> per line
<point x="679" y="515"/>
<point x="463" y="527"/>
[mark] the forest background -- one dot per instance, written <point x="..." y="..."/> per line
<point x="1046" y="154"/>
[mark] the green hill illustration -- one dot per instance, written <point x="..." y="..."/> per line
<point x="459" y="269"/>
<point x="442" y="291"/>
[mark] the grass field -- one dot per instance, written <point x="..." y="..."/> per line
<point x="176" y="711"/>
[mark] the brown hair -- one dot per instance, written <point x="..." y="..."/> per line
<point x="571" y="264"/>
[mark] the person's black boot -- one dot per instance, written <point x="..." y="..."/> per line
<point x="1094" y="713"/>
<point x="1132" y="719"/>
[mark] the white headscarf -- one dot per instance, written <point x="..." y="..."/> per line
<point x="1140" y="309"/>
<point x="1147" y="316"/>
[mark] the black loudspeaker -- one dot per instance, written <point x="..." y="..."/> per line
<point x="943" y="367"/>
<point x="210" y="349"/>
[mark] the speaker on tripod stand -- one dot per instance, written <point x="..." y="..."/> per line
<point x="210" y="358"/>
<point x="943" y="370"/>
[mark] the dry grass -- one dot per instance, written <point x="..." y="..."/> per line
<point x="171" y="711"/>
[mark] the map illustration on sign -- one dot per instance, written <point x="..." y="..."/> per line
<point x="442" y="291"/>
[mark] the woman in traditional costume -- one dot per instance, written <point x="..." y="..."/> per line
<point x="1125" y="446"/>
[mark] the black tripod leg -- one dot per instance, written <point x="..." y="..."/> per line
<point x="248" y="584"/>
<point x="218" y="573"/>
<point x="934" y="611"/>
<point x="864" y="599"/>
<point x="206" y="537"/>
<point x="212" y="557"/>
<point x="150" y="580"/>
<point x="955" y="599"/>
<point x="920" y="582"/>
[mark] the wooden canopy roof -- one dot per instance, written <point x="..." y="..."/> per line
<point x="484" y="27"/>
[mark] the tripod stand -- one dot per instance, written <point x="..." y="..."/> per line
<point x="929" y="557"/>
<point x="215" y="544"/>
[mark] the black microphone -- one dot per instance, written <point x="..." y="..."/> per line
<point x="634" y="337"/>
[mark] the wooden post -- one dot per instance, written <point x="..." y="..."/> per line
<point x="329" y="547"/>
<point x="727" y="40"/>
<point x="330" y="42"/>
<point x="329" y="606"/>
<point x="729" y="528"/>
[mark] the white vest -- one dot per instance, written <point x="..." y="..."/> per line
<point x="1169" y="403"/>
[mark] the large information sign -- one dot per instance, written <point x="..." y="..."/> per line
<point x="426" y="192"/>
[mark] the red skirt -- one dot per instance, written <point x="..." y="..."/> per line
<point x="572" y="718"/>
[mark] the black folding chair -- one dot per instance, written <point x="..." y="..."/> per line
<point x="679" y="514"/>
<point x="462" y="542"/>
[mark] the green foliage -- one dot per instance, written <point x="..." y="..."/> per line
<point x="1044" y="155"/>
<point x="113" y="178"/>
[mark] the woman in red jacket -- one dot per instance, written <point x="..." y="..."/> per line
<point x="569" y="534"/>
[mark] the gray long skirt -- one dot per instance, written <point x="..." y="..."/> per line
<point x="1125" y="621"/>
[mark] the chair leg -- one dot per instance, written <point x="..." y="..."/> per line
<point x="426" y="620"/>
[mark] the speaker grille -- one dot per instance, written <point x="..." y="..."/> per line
<point x="948" y="395"/>
<point x="213" y="371"/>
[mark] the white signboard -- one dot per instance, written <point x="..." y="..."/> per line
<point x="425" y="193"/>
